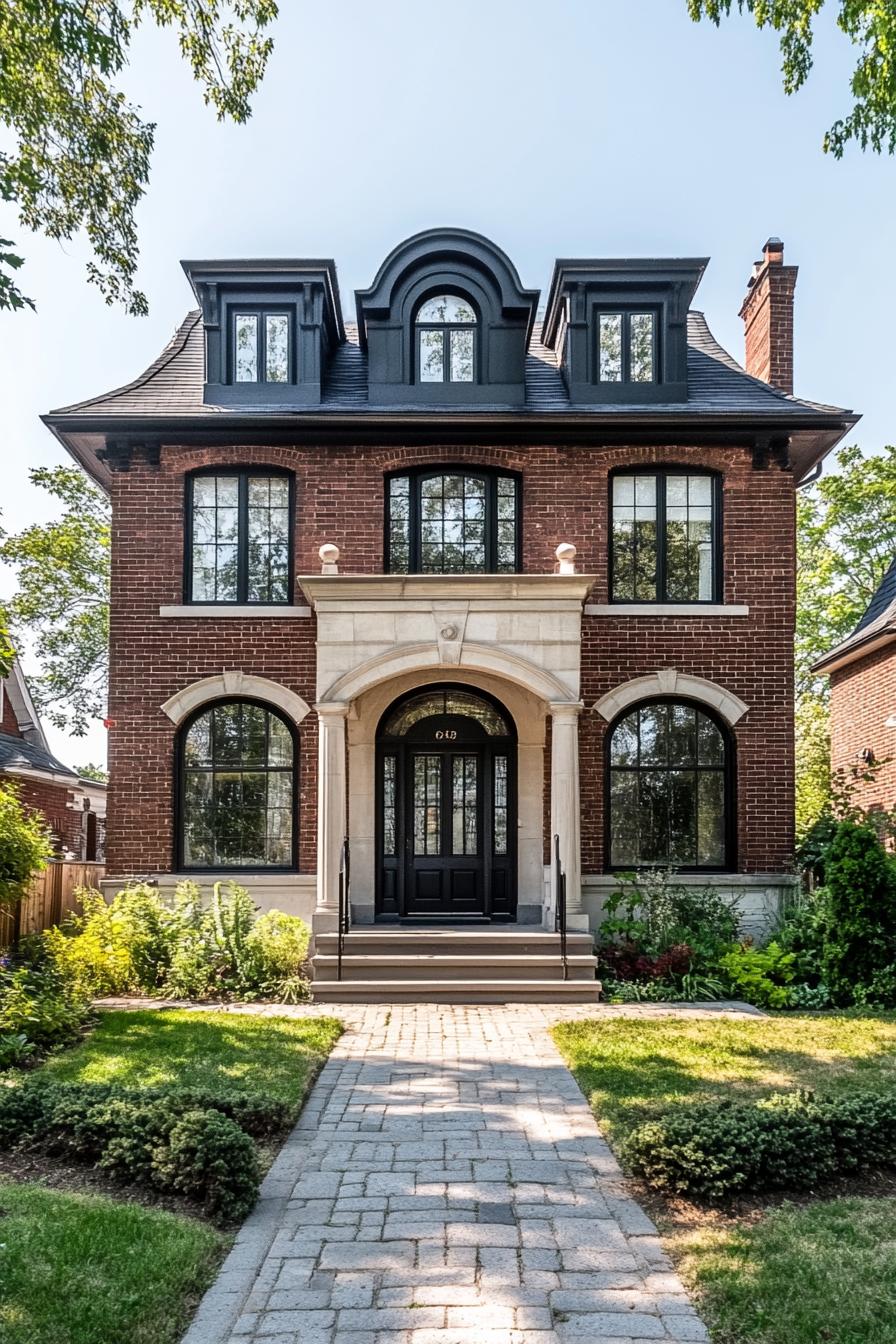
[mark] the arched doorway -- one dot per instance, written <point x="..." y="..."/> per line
<point x="446" y="807"/>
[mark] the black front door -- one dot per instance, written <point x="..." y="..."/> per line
<point x="443" y="828"/>
<point x="446" y="809"/>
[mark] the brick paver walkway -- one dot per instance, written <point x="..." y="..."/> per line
<point x="446" y="1184"/>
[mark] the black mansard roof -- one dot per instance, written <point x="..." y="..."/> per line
<point x="722" y="401"/>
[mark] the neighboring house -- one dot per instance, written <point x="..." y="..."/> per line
<point x="862" y="672"/>
<point x="450" y="582"/>
<point x="74" y="809"/>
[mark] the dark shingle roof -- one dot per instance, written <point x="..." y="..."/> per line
<point x="878" y="620"/>
<point x="172" y="386"/>
<point x="17" y="754"/>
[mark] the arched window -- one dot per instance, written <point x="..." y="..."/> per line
<point x="452" y="521"/>
<point x="237" y="788"/>
<point x="446" y="340"/>
<point x="669" y="788"/>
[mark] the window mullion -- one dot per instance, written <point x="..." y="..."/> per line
<point x="661" y="537"/>
<point x="242" y="549"/>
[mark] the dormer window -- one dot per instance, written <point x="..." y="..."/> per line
<point x="626" y="347"/>
<point x="446" y="340"/>
<point x="261" y="347"/>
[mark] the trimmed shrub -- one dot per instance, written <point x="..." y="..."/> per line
<point x="792" y="1141"/>
<point x="212" y="1161"/>
<point x="185" y="1142"/>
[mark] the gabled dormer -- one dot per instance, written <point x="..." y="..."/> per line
<point x="270" y="327"/>
<point x="619" y="328"/>
<point x="446" y="322"/>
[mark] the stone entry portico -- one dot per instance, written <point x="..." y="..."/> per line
<point x="515" y="636"/>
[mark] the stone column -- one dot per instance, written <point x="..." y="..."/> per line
<point x="566" y="808"/>
<point x="332" y="816"/>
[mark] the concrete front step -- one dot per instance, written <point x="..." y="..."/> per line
<point x="449" y="991"/>
<point x="515" y="940"/>
<point x="372" y="966"/>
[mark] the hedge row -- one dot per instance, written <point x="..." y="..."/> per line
<point x="185" y="1142"/>
<point x="791" y="1141"/>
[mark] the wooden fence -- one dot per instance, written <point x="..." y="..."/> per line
<point x="51" y="896"/>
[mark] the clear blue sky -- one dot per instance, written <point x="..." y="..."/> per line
<point x="581" y="127"/>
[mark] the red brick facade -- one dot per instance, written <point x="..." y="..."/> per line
<point x="863" y="699"/>
<point x="340" y="499"/>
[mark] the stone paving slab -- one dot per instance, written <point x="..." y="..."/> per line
<point x="447" y="1184"/>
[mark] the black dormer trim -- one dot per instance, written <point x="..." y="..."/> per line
<point x="581" y="289"/>
<point x="306" y="290"/>
<point x="446" y="261"/>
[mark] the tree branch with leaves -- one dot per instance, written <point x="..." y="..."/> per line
<point x="870" y="26"/>
<point x="62" y="600"/>
<point x="81" y="151"/>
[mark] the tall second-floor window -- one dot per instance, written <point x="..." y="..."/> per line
<point x="261" y="347"/>
<point x="453" y="522"/>
<point x="666" y="542"/>
<point x="239" y="528"/>
<point x="446" y="340"/>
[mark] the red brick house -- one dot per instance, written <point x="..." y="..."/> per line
<point x="466" y="586"/>
<point x="862" y="672"/>
<point x="43" y="783"/>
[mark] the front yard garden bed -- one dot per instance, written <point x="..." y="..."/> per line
<point x="817" y="1267"/>
<point x="180" y="1109"/>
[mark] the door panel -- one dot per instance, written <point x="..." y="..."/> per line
<point x="444" y="869"/>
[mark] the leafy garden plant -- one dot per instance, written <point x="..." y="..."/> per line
<point x="141" y="942"/>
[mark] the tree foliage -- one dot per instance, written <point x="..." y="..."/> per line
<point x="24" y="844"/>
<point x="846" y="537"/>
<point x="80" y="151"/>
<point x="871" y="27"/>
<point x="62" y="601"/>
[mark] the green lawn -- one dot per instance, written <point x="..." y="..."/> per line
<point x="278" y="1057"/>
<point x="78" y="1269"/>
<point x="824" y="1273"/>
<point x="631" y="1069"/>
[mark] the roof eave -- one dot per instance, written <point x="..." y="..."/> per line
<point x="850" y="651"/>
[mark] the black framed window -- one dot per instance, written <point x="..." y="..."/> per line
<point x="239" y="529"/>
<point x="666" y="541"/>
<point x="238" y="765"/>
<point x="445" y="329"/>
<point x="669" y="789"/>
<point x="627" y="346"/>
<point x="453" y="522"/>
<point x="261" y="346"/>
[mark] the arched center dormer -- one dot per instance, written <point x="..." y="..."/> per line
<point x="446" y="322"/>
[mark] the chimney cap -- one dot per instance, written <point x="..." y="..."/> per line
<point x="773" y="246"/>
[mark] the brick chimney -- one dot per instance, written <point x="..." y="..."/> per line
<point x="767" y="312"/>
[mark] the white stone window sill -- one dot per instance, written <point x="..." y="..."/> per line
<point x="250" y="610"/>
<point x="695" y="609"/>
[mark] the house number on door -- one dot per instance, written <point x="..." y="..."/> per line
<point x="446" y="734"/>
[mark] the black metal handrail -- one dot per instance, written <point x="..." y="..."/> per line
<point x="560" y="905"/>
<point x="344" y="908"/>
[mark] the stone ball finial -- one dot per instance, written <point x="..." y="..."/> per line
<point x="329" y="558"/>
<point x="566" y="555"/>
